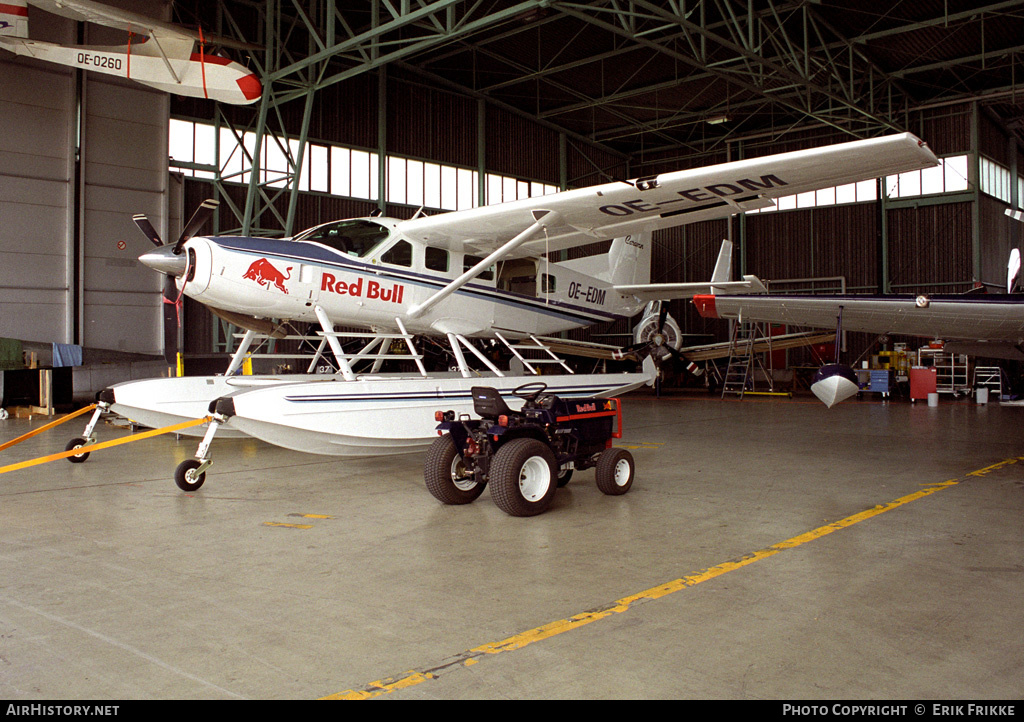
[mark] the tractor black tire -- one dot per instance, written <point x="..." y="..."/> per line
<point x="615" y="471"/>
<point x="77" y="443"/>
<point x="524" y="477"/>
<point x="445" y="474"/>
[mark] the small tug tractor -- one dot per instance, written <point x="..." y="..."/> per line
<point x="525" y="455"/>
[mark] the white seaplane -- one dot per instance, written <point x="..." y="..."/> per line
<point x="485" y="273"/>
<point x="162" y="55"/>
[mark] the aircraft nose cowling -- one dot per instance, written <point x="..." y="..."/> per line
<point x="165" y="260"/>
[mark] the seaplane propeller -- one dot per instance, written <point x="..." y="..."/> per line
<point x="171" y="261"/>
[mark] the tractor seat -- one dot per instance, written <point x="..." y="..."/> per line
<point x="487" y="402"/>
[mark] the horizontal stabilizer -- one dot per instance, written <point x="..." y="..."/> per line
<point x="668" y="291"/>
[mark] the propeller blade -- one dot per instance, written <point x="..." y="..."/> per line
<point x="147" y="229"/>
<point x="198" y="220"/>
<point x="661" y="316"/>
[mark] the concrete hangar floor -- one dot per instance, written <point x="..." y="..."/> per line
<point x="769" y="549"/>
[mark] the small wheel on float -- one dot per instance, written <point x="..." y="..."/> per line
<point x="615" y="470"/>
<point x="185" y="475"/>
<point x="523" y="477"/>
<point x="445" y="474"/>
<point x="77" y="443"/>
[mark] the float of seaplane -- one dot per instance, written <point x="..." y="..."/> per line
<point x="484" y="273"/>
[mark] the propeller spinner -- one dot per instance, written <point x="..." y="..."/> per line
<point x="169" y="259"/>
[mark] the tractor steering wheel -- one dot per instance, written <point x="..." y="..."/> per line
<point x="530" y="391"/>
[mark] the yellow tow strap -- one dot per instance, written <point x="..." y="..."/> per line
<point x="104" y="445"/>
<point x="50" y="425"/>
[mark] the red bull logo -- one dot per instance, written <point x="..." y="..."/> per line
<point x="264" y="273"/>
<point x="371" y="290"/>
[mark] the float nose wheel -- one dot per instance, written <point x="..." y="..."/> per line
<point x="77" y="443"/>
<point x="191" y="474"/>
<point x="87" y="436"/>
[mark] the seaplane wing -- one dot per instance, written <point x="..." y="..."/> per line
<point x="535" y="227"/>
<point x="622" y="208"/>
<point x="992" y="324"/>
<point x="157" y="54"/>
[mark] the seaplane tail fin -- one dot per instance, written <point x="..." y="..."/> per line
<point x="720" y="283"/>
<point x="14" y="18"/>
<point x="629" y="259"/>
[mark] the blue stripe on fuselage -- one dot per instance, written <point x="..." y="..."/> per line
<point x="308" y="252"/>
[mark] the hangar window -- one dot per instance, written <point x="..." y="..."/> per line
<point x="200" y="150"/>
<point x="949" y="176"/>
<point x="501" y="189"/>
<point x="994" y="179"/>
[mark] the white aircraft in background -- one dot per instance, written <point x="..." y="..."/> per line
<point x="487" y="272"/>
<point x="986" y="325"/>
<point x="158" y="54"/>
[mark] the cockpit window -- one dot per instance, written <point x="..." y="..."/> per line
<point x="352" y="237"/>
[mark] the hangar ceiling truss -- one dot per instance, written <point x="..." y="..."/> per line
<point x="642" y="79"/>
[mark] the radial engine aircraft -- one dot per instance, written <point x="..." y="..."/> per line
<point x="487" y="272"/>
<point x="161" y="55"/>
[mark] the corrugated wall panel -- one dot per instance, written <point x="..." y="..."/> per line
<point x="930" y="245"/>
<point x="779" y="245"/>
<point x="824" y="242"/>
<point x="992" y="140"/>
<point x="587" y="166"/>
<point x="845" y="243"/>
<point x="515" y="146"/>
<point x="997" y="237"/>
<point x="428" y="123"/>
<point x="945" y="130"/>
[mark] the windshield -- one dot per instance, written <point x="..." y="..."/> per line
<point x="352" y="237"/>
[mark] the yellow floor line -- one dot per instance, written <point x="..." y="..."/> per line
<point x="552" y="629"/>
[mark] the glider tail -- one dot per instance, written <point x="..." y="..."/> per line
<point x="14" y="18"/>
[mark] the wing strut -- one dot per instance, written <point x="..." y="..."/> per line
<point x="542" y="219"/>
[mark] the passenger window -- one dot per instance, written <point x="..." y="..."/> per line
<point x="547" y="283"/>
<point x="437" y="259"/>
<point x="469" y="261"/>
<point x="399" y="254"/>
